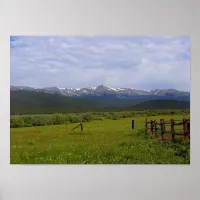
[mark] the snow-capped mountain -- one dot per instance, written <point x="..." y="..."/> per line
<point x="102" y="90"/>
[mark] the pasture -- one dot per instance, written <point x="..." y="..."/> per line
<point x="101" y="142"/>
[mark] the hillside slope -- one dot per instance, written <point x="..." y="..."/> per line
<point x="162" y="104"/>
<point x="23" y="102"/>
<point x="31" y="102"/>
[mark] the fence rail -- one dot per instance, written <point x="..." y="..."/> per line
<point x="151" y="126"/>
<point x="81" y="125"/>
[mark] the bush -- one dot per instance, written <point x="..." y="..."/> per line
<point x="74" y="119"/>
<point x="108" y="116"/>
<point x="131" y="114"/>
<point x="98" y="118"/>
<point x="124" y="115"/>
<point x="27" y="120"/>
<point x="66" y="118"/>
<point x="104" y="114"/>
<point x="39" y="120"/>
<point x="97" y="113"/>
<point x="87" y="117"/>
<point x="57" y="119"/>
<point x="115" y="116"/>
<point x="16" y="122"/>
<point x="152" y="113"/>
<point x="164" y="112"/>
<point x="28" y="125"/>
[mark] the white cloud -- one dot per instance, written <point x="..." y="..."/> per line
<point x="136" y="62"/>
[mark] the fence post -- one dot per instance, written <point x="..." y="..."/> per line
<point x="188" y="128"/>
<point x="132" y="124"/>
<point x="81" y="126"/>
<point x="155" y="123"/>
<point x="146" y="126"/>
<point x="172" y="129"/>
<point x="162" y="127"/>
<point x="152" y="127"/>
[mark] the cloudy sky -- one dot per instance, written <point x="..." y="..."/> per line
<point x="132" y="61"/>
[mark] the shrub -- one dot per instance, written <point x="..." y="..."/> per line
<point x="16" y="122"/>
<point x="164" y="112"/>
<point x="87" y="117"/>
<point x="39" y="120"/>
<point x="66" y="118"/>
<point x="27" y="120"/>
<point x="131" y="114"/>
<point x="124" y="115"/>
<point x="152" y="113"/>
<point x="97" y="113"/>
<point x="57" y="119"/>
<point x="28" y="125"/>
<point x="98" y="118"/>
<point x="74" y="119"/>
<point x="115" y="116"/>
<point x="104" y="114"/>
<point x="108" y="116"/>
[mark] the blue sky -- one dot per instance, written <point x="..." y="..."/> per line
<point x="76" y="61"/>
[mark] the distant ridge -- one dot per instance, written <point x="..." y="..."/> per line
<point x="162" y="104"/>
<point x="32" y="102"/>
<point x="105" y="91"/>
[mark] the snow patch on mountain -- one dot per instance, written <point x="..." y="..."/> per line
<point x="105" y="90"/>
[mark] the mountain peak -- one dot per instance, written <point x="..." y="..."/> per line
<point x="103" y="90"/>
<point x="101" y="86"/>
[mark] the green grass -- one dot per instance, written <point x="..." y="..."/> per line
<point x="101" y="142"/>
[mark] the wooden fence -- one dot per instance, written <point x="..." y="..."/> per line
<point x="159" y="128"/>
<point x="81" y="125"/>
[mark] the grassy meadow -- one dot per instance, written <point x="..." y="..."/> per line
<point x="103" y="140"/>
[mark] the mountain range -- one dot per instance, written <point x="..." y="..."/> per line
<point x="28" y="100"/>
<point x="102" y="91"/>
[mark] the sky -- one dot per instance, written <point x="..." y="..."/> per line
<point x="140" y="62"/>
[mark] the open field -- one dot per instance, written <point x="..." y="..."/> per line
<point x="101" y="142"/>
